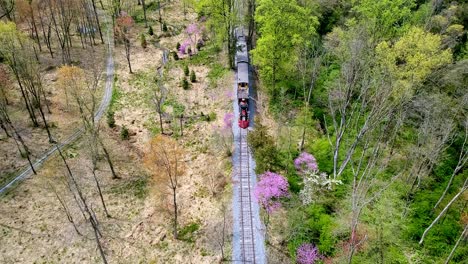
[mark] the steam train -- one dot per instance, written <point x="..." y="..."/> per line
<point x="242" y="78"/>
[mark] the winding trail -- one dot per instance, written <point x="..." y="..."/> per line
<point x="98" y="115"/>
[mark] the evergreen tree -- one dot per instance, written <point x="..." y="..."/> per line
<point x="193" y="77"/>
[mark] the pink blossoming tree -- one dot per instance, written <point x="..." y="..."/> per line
<point x="268" y="191"/>
<point x="307" y="254"/>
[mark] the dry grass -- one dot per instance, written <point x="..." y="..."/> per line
<point x="35" y="227"/>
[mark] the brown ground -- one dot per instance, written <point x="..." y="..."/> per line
<point x="35" y="227"/>
<point x="63" y="120"/>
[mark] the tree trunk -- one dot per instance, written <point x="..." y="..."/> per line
<point x="463" y="189"/>
<point x="4" y="129"/>
<point x="161" y="122"/>
<point x="160" y="17"/>
<point x="462" y="237"/>
<point x="51" y="140"/>
<point x="65" y="209"/>
<point x="96" y="236"/>
<point x="109" y="161"/>
<point x="100" y="193"/>
<point x="181" y="126"/>
<point x="174" y="197"/>
<point x="127" y="53"/>
<point x="25" y="96"/>
<point x="97" y="20"/>
<point x="144" y="12"/>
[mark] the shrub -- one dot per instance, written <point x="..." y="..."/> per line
<point x="193" y="78"/>
<point x="186" y="70"/>
<point x="187" y="233"/>
<point x="110" y="119"/>
<point x="124" y="135"/>
<point x="210" y="117"/>
<point x="317" y="228"/>
<point x="144" y="44"/>
<point x="164" y="27"/>
<point x="267" y="156"/>
<point x="185" y="84"/>
<point x="176" y="57"/>
<point x="189" y="51"/>
<point x="150" y="31"/>
<point x="307" y="254"/>
<point x="200" y="44"/>
<point x="178" y="45"/>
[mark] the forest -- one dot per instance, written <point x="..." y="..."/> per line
<point x="364" y="111"/>
<point x="117" y="137"/>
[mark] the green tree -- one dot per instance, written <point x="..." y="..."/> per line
<point x="276" y="51"/>
<point x="385" y="18"/>
<point x="193" y="77"/>
<point x="411" y="59"/>
<point x="221" y="20"/>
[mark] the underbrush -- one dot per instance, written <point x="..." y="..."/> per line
<point x="137" y="187"/>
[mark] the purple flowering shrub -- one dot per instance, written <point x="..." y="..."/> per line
<point x="191" y="43"/>
<point x="192" y="29"/>
<point x="183" y="47"/>
<point x="307" y="254"/>
<point x="270" y="189"/>
<point x="227" y="120"/>
<point x="306" y="162"/>
<point x="223" y="135"/>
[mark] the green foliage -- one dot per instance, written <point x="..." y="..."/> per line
<point x="124" y="135"/>
<point x="275" y="53"/>
<point x="220" y="18"/>
<point x="216" y="72"/>
<point x="209" y="117"/>
<point x="411" y="59"/>
<point x="188" y="232"/>
<point x="186" y="70"/>
<point x="164" y="27"/>
<point x="185" y="84"/>
<point x="311" y="225"/>
<point x="266" y="155"/>
<point x="150" y="31"/>
<point x="116" y="94"/>
<point x="193" y="78"/>
<point x="177" y="46"/>
<point x="110" y="119"/>
<point x="385" y="17"/>
<point x="175" y="56"/>
<point x="136" y="187"/>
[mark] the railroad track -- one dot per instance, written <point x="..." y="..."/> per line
<point x="247" y="235"/>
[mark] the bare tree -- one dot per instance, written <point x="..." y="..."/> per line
<point x="124" y="24"/>
<point x="164" y="160"/>
<point x="6" y="9"/>
<point x="463" y="237"/>
<point x="83" y="203"/>
<point x="462" y="190"/>
<point x="309" y="65"/>
<point x="462" y="160"/>
<point x="7" y="125"/>
<point x="158" y="101"/>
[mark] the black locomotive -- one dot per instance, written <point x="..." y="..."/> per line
<point x="242" y="65"/>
